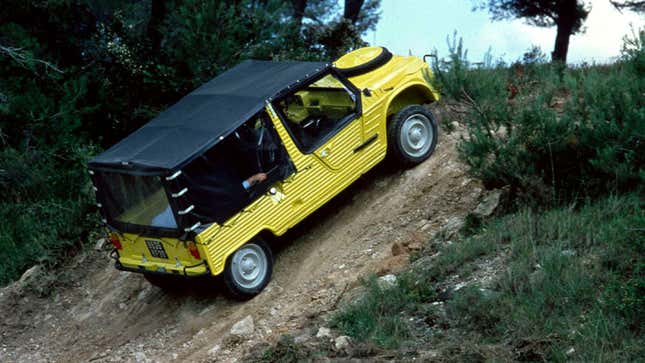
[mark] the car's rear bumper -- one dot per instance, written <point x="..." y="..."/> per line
<point x="157" y="268"/>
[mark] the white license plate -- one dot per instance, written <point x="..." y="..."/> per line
<point x="156" y="249"/>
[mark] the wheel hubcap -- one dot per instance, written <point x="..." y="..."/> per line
<point x="416" y="135"/>
<point x="249" y="266"/>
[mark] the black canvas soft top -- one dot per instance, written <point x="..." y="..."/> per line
<point x="203" y="117"/>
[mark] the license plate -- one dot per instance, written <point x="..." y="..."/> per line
<point x="156" y="249"/>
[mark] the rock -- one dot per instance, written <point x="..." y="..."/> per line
<point x="302" y="338"/>
<point x="144" y="293"/>
<point x="392" y="264"/>
<point x="536" y="277"/>
<point x="323" y="332"/>
<point x="214" y="350"/>
<point x="243" y="327"/>
<point x="397" y="249"/>
<point x="140" y="357"/>
<point x="571" y="351"/>
<point x="415" y="246"/>
<point x="387" y="281"/>
<point x="568" y="253"/>
<point x="342" y="342"/>
<point x="30" y="275"/>
<point x="489" y="203"/>
<point x="488" y="294"/>
<point x="453" y="225"/>
<point x="100" y="243"/>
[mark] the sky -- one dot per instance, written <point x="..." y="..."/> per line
<point x="419" y="26"/>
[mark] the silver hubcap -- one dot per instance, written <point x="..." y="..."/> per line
<point x="416" y="135"/>
<point x="249" y="266"/>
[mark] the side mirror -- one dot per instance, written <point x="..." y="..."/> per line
<point x="367" y="92"/>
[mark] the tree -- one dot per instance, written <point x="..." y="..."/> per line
<point x="633" y="5"/>
<point x="329" y="32"/>
<point x="567" y="15"/>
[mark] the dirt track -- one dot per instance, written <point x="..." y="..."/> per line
<point x="99" y="314"/>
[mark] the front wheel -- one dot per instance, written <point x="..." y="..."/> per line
<point x="412" y="135"/>
<point x="248" y="270"/>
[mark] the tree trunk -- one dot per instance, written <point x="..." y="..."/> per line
<point x="298" y="10"/>
<point x="352" y="10"/>
<point x="157" y="14"/>
<point x="561" y="44"/>
<point x="565" y="22"/>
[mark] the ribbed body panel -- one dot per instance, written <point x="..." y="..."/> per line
<point x="318" y="178"/>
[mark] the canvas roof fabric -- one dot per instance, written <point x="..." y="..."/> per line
<point x="203" y="117"/>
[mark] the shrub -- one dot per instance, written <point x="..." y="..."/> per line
<point x="48" y="209"/>
<point x="552" y="134"/>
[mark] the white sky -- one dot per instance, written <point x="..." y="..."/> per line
<point x="422" y="25"/>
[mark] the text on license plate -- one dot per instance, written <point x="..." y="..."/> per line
<point x="156" y="249"/>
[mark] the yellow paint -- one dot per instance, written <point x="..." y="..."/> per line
<point x="320" y="175"/>
<point x="358" y="57"/>
<point x="135" y="254"/>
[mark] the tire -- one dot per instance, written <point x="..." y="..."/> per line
<point x="411" y="136"/>
<point x="368" y="66"/>
<point x="248" y="270"/>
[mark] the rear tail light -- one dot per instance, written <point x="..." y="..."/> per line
<point x="192" y="248"/>
<point x="114" y="238"/>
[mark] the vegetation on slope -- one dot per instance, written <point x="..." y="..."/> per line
<point x="571" y="284"/>
<point x="568" y="264"/>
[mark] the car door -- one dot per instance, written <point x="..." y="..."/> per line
<point x="324" y="119"/>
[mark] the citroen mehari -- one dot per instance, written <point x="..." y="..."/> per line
<point x="252" y="153"/>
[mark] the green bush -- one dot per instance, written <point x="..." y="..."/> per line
<point x="47" y="210"/>
<point x="552" y="134"/>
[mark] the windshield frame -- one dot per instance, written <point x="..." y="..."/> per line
<point x="100" y="188"/>
<point x="303" y="84"/>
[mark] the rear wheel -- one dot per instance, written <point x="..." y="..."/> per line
<point x="248" y="270"/>
<point x="412" y="135"/>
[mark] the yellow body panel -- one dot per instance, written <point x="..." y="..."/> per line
<point x="135" y="255"/>
<point x="319" y="179"/>
<point x="320" y="175"/>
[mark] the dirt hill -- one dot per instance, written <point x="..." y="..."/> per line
<point x="88" y="311"/>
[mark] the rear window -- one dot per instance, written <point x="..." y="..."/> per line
<point x="138" y="200"/>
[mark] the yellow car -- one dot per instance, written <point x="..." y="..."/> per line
<point x="252" y="153"/>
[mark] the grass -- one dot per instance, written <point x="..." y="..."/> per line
<point x="380" y="316"/>
<point x="572" y="287"/>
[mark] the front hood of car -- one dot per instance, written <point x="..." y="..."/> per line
<point x="389" y="74"/>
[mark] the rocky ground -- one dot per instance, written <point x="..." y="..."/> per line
<point x="88" y="311"/>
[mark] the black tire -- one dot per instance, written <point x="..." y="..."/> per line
<point x="418" y="122"/>
<point x="258" y="252"/>
<point x="368" y="66"/>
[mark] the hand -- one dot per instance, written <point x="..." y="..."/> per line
<point x="257" y="178"/>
